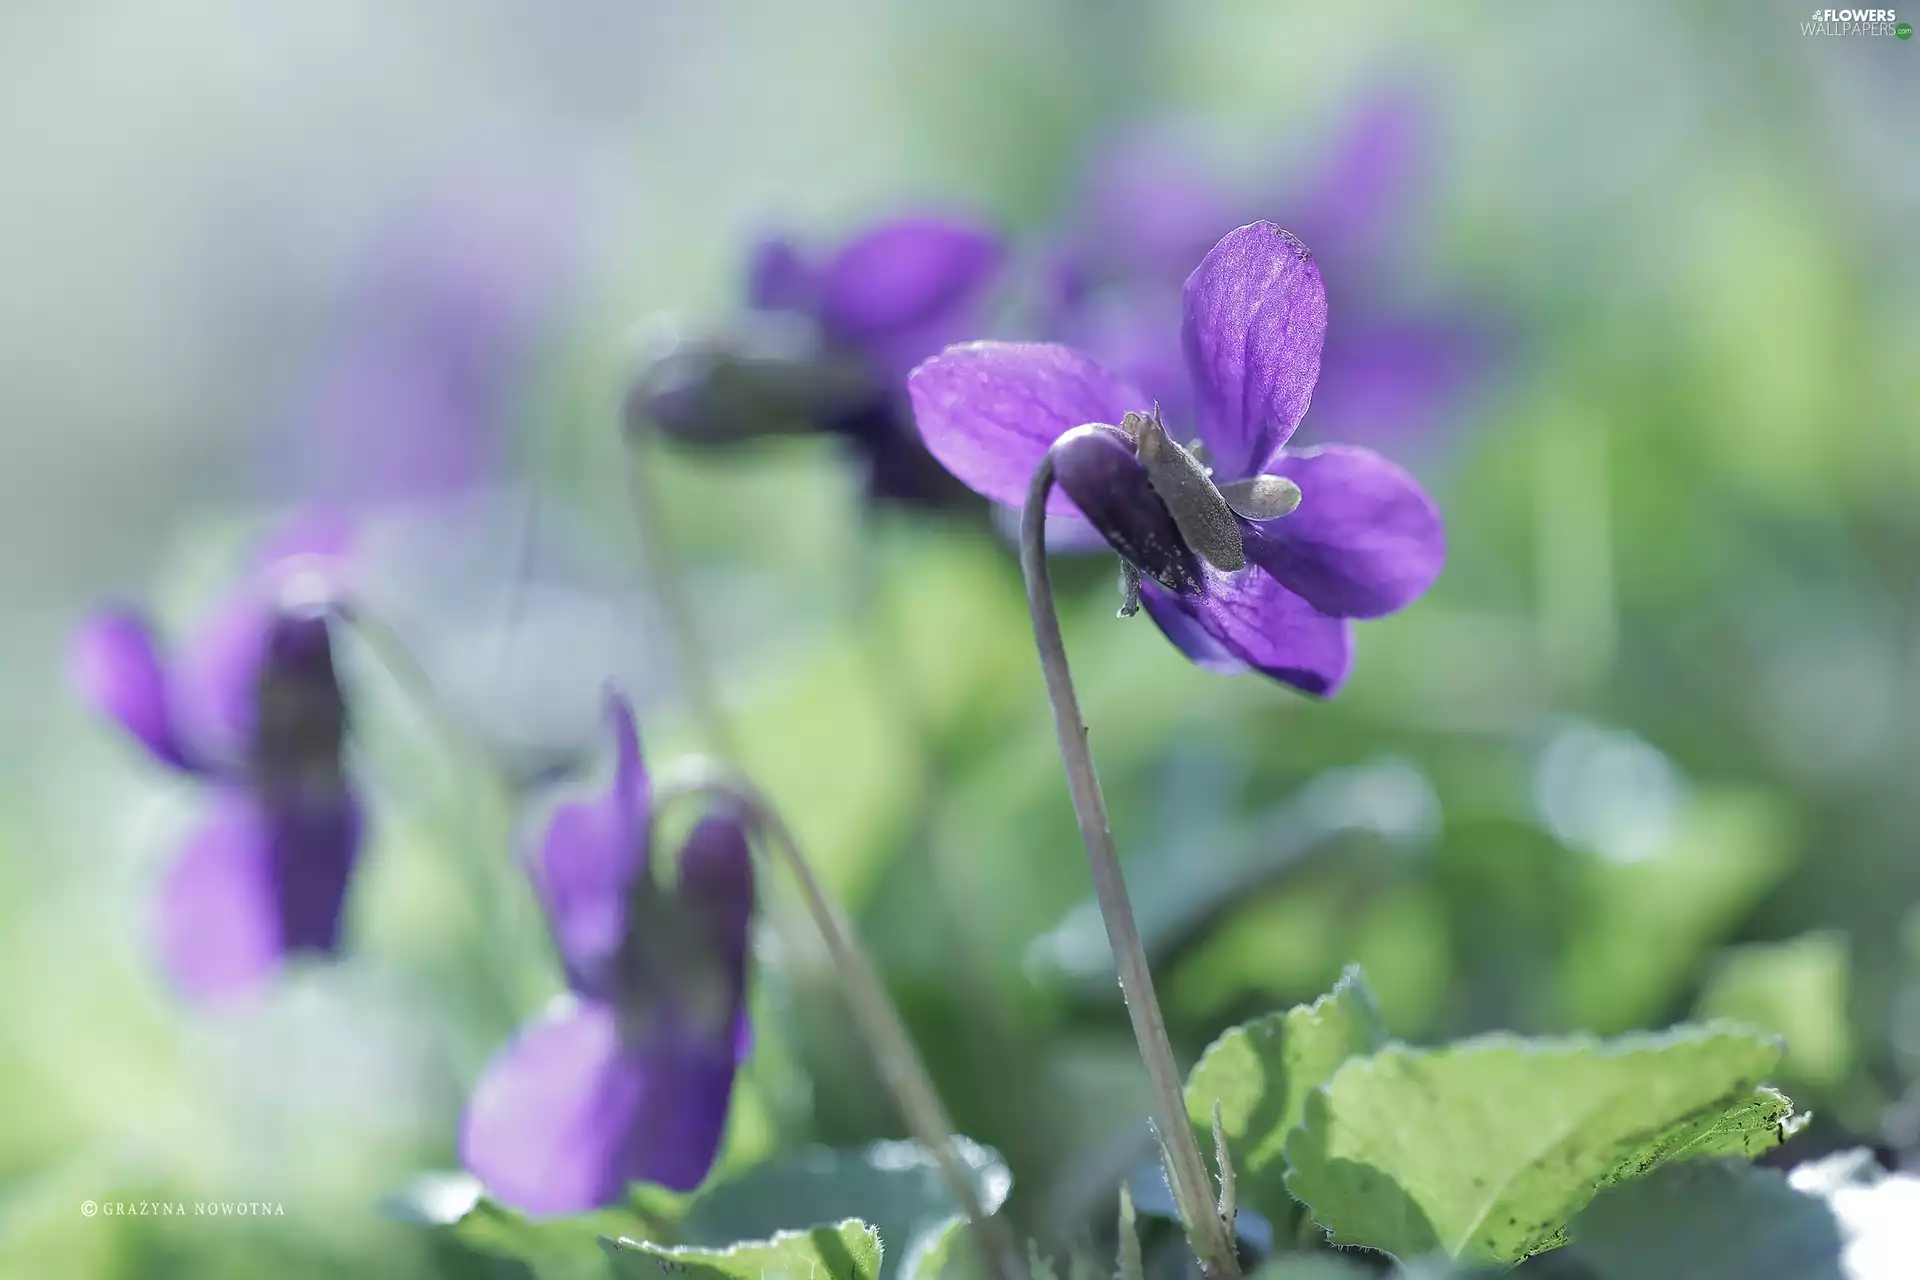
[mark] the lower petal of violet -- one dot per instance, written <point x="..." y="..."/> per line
<point x="1247" y="617"/>
<point x="1365" y="540"/>
<point x="228" y="911"/>
<point x="575" y="1109"/>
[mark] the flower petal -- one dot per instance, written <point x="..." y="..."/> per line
<point x="592" y="853"/>
<point x="716" y="877"/>
<point x="116" y="666"/>
<point x="716" y="880"/>
<point x="216" y="675"/>
<point x="252" y="885"/>
<point x="217" y="916"/>
<point x="989" y="411"/>
<point x="1153" y="206"/>
<point x="1135" y="331"/>
<point x="1252" y="618"/>
<point x="576" y="1107"/>
<point x="1182" y="627"/>
<point x="315" y="839"/>
<point x="1112" y="489"/>
<point x="1255" y="319"/>
<point x="906" y="274"/>
<point x="1365" y="540"/>
<point x="779" y="278"/>
<point x="1365" y="184"/>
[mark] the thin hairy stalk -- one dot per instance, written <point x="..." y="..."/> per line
<point x="407" y="671"/>
<point x="874" y="1014"/>
<point x="669" y="588"/>
<point x="1187" y="1170"/>
<point x="994" y="1044"/>
<point x="466" y="752"/>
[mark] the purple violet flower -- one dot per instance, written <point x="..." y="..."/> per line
<point x="866" y="314"/>
<point x="251" y="708"/>
<point x="627" y="1078"/>
<point x="413" y="399"/>
<point x="1388" y="371"/>
<point x="1224" y="563"/>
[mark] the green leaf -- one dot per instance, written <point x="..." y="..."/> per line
<point x="1708" y="1220"/>
<point x="945" y="1255"/>
<point x="552" y="1248"/>
<point x="895" y="1186"/>
<point x="1262" y="1071"/>
<point x="1642" y="927"/>
<point x="1796" y="989"/>
<point x="1484" y="1150"/>
<point x="847" y="1250"/>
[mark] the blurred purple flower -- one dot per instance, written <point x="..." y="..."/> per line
<point x="628" y="1078"/>
<point x="414" y="399"/>
<point x="252" y="708"/>
<point x="1233" y="574"/>
<point x="1148" y="210"/>
<point x="888" y="298"/>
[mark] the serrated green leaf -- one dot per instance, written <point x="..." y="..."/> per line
<point x="895" y="1186"/>
<point x="1749" y="1127"/>
<point x="1485" y="1150"/>
<point x="1262" y="1071"/>
<point x="1708" y="1220"/>
<point x="847" y="1250"/>
<point x="552" y="1248"/>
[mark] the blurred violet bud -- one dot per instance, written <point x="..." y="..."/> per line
<point x="415" y="397"/>
<point x="826" y="348"/>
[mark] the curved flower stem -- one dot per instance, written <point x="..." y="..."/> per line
<point x="874" y="1014"/>
<point x="670" y="590"/>
<point x="1187" y="1170"/>
<point x="467" y="752"/>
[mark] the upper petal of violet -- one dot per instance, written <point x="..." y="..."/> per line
<point x="116" y="667"/>
<point x="1254" y="619"/>
<point x="779" y="278"/>
<point x="592" y="853"/>
<point x="716" y="884"/>
<point x="989" y="411"/>
<point x="1112" y="489"/>
<point x="1365" y="540"/>
<point x="905" y="273"/>
<point x="1255" y="319"/>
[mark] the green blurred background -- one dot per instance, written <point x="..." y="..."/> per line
<point x="1650" y="747"/>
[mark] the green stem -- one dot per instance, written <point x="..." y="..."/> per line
<point x="1187" y="1171"/>
<point x="698" y="682"/>
<point x="874" y="1015"/>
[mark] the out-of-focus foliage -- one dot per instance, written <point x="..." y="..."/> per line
<point x="1648" y="747"/>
